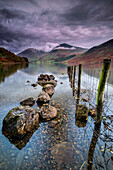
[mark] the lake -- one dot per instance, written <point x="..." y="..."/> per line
<point x="71" y="144"/>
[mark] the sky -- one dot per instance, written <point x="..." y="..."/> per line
<point x="43" y="24"/>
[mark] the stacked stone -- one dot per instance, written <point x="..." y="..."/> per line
<point x="48" y="84"/>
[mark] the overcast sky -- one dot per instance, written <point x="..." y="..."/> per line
<point x="43" y="24"/>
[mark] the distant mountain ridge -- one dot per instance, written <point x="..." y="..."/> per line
<point x="69" y="47"/>
<point x="95" y="54"/>
<point x="59" y="53"/>
<point x="32" y="54"/>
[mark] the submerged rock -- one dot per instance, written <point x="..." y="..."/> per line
<point x="62" y="153"/>
<point x="43" y="97"/>
<point x="28" y="102"/>
<point x="47" y="112"/>
<point x="20" y="120"/>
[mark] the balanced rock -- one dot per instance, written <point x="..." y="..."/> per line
<point x="28" y="102"/>
<point x="20" y="120"/>
<point x="47" y="112"/>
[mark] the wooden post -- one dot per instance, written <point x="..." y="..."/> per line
<point x="101" y="88"/>
<point x="73" y="81"/>
<point x="79" y="83"/>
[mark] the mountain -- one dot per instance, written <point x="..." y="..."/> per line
<point x="61" y="53"/>
<point x="7" y="56"/>
<point x="32" y="54"/>
<point x="65" y="46"/>
<point x="95" y="54"/>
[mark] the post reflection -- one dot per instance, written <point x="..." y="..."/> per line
<point x="71" y="70"/>
<point x="81" y="110"/>
<point x="93" y="145"/>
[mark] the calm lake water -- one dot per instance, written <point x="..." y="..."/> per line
<point x="71" y="144"/>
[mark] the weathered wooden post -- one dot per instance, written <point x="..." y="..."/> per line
<point x="73" y="81"/>
<point x="74" y="73"/>
<point x="79" y="83"/>
<point x="101" y="88"/>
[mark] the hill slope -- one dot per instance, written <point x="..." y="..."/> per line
<point x="7" y="56"/>
<point x="32" y="54"/>
<point x="95" y="54"/>
<point x="61" y="53"/>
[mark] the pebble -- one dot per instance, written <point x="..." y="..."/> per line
<point x="26" y="157"/>
<point x="12" y="154"/>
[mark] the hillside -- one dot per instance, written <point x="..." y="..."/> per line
<point x="32" y="54"/>
<point x="95" y="54"/>
<point x="7" y="56"/>
<point x="61" y="53"/>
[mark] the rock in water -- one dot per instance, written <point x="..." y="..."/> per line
<point x="49" y="89"/>
<point x="28" y="102"/>
<point x="48" y="112"/>
<point x="43" y="97"/>
<point x="20" y="120"/>
<point x="34" y="85"/>
<point x="62" y="153"/>
<point x="46" y="79"/>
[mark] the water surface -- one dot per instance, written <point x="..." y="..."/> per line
<point x="70" y="144"/>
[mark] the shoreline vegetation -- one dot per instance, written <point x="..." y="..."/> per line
<point x="8" y="57"/>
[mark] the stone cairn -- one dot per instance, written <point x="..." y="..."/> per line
<point x="23" y="119"/>
<point x="48" y="84"/>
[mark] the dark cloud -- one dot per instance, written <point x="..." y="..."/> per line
<point x="43" y="24"/>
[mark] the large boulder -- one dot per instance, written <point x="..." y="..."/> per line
<point x="28" y="102"/>
<point x="47" y="112"/>
<point x="20" y="120"/>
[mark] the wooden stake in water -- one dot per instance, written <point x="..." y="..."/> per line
<point x="101" y="88"/>
<point x="79" y="83"/>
